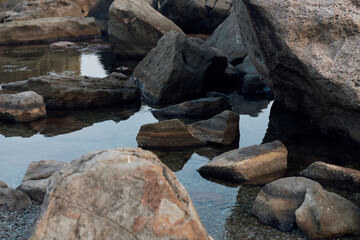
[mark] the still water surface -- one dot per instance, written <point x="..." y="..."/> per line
<point x="225" y="211"/>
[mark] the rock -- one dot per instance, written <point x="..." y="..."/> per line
<point x="222" y="129"/>
<point x="118" y="194"/>
<point x="35" y="189"/>
<point x="62" y="45"/>
<point x="327" y="215"/>
<point x="196" y="16"/>
<point x="248" y="164"/>
<point x="178" y="69"/>
<point x="321" y="170"/>
<point x="227" y="38"/>
<point x="3" y="185"/>
<point x="309" y="54"/>
<point x="22" y="107"/>
<point x="47" y="30"/>
<point x="66" y="91"/>
<point x="135" y="27"/>
<point x="12" y="199"/>
<point x="169" y="133"/>
<point x="277" y="201"/>
<point x="198" y="108"/>
<point x="30" y="9"/>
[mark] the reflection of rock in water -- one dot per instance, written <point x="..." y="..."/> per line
<point x="241" y="105"/>
<point x="306" y="143"/>
<point x="62" y="122"/>
<point x="21" y="63"/>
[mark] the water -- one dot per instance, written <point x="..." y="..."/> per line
<point x="65" y="136"/>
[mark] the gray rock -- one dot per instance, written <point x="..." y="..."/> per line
<point x="321" y="170"/>
<point x="66" y="91"/>
<point x="117" y="194"/>
<point x="22" y="107"/>
<point x="198" y="108"/>
<point x="327" y="215"/>
<point x="221" y="129"/>
<point x="196" y="16"/>
<point x="3" y="185"/>
<point x="178" y="69"/>
<point x="35" y="189"/>
<point x="309" y="54"/>
<point x="250" y="164"/>
<point x="12" y="199"/>
<point x="135" y="27"/>
<point x="227" y="38"/>
<point x="62" y="45"/>
<point x="47" y="30"/>
<point x="277" y="201"/>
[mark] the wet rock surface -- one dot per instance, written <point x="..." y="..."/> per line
<point x="96" y="196"/>
<point x="67" y="91"/>
<point x="178" y="69"/>
<point x="62" y="45"/>
<point x="135" y="27"/>
<point x="249" y="164"/>
<point x="22" y="107"/>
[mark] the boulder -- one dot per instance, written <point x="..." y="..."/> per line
<point x="62" y="45"/>
<point x="3" y="185"/>
<point x="67" y="91"/>
<point x="22" y="107"/>
<point x="12" y="199"/>
<point x="248" y="164"/>
<point x="135" y="27"/>
<point x="47" y="30"/>
<point x="277" y="201"/>
<point x="324" y="171"/>
<point x="327" y="215"/>
<point x="196" y="16"/>
<point x="168" y="133"/>
<point x="221" y="129"/>
<point x="117" y="194"/>
<point x="199" y="108"/>
<point x="179" y="68"/>
<point x="36" y="179"/>
<point x="227" y="38"/>
<point x="309" y="54"/>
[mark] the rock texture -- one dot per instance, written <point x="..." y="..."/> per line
<point x="118" y="194"/>
<point x="22" y="107"/>
<point x="227" y="38"/>
<point x="12" y="199"/>
<point x="309" y="53"/>
<point x="66" y="91"/>
<point x="248" y="164"/>
<point x="47" y="30"/>
<point x="198" y="108"/>
<point x="36" y="179"/>
<point x="62" y="45"/>
<point x="196" y="16"/>
<point x="321" y="170"/>
<point x="326" y="215"/>
<point x="135" y="27"/>
<point x="221" y="129"/>
<point x="3" y="185"/>
<point x="277" y="201"/>
<point x="179" y="68"/>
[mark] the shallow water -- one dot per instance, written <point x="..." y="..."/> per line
<point x="65" y="136"/>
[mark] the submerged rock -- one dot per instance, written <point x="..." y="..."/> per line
<point x="309" y="54"/>
<point x="135" y="27"/>
<point x="66" y="91"/>
<point x="12" y="199"/>
<point x="248" y="164"/>
<point x="277" y="201"/>
<point x="196" y="16"/>
<point x="178" y="69"/>
<point x="47" y="30"/>
<point x="118" y="194"/>
<point x="327" y="215"/>
<point x="62" y="45"/>
<point x="22" y="107"/>
<point x="321" y="170"/>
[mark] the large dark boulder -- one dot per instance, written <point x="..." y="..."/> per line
<point x="309" y="55"/>
<point x="178" y="69"/>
